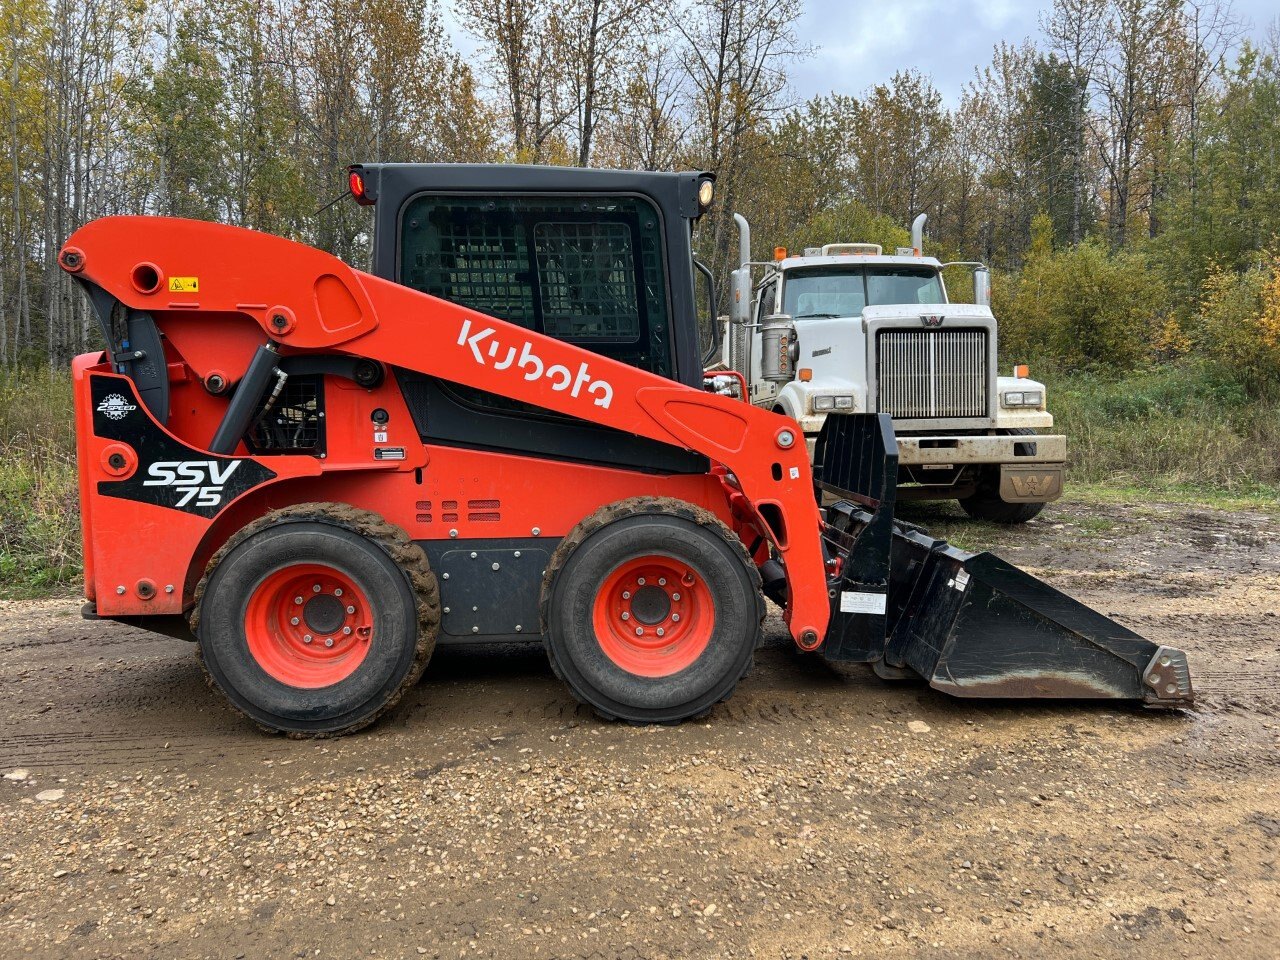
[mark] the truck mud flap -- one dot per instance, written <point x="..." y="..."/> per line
<point x="971" y="625"/>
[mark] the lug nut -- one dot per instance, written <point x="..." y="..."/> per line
<point x="351" y="609"/>
<point x="315" y="588"/>
<point x="297" y="600"/>
<point x="626" y="594"/>
<point x="662" y="581"/>
<point x="346" y="631"/>
<point x="625" y="615"/>
<point x="675" y="596"/>
<point x="675" y="618"/>
<point x="294" y="621"/>
<point x="639" y="631"/>
<point x="661" y="632"/>
<point x="328" y="641"/>
<point x="337" y="592"/>
<point x="641" y="581"/>
<point x="307" y="638"/>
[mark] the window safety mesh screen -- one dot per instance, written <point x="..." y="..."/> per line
<point x="586" y="276"/>
<point x="586" y="270"/>
<point x="477" y="258"/>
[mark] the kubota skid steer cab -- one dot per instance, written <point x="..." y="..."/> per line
<point x="500" y="435"/>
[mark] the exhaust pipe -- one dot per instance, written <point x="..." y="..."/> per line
<point x="917" y="234"/>
<point x="740" y="279"/>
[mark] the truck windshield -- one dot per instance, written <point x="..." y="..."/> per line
<point x="844" y="292"/>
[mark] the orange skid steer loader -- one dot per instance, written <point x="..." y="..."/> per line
<point x="501" y="434"/>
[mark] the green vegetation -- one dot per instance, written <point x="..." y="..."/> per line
<point x="39" y="502"/>
<point x="1169" y="427"/>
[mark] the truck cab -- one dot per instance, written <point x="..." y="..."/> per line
<point x="846" y="328"/>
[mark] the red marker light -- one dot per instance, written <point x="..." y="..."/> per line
<point x="356" y="181"/>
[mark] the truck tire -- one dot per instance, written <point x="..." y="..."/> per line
<point x="651" y="609"/>
<point x="986" y="504"/>
<point x="314" y="620"/>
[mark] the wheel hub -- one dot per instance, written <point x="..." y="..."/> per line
<point x="653" y="616"/>
<point x="324" y="613"/>
<point x="309" y="625"/>
<point x="650" y="605"/>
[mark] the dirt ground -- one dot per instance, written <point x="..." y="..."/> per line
<point x="805" y="818"/>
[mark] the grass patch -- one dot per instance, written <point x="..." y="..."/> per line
<point x="1183" y="431"/>
<point x="40" y="549"/>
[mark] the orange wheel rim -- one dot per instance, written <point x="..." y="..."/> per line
<point x="653" y="616"/>
<point x="309" y="625"/>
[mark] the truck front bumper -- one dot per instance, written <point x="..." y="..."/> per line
<point x="1031" y="467"/>
<point x="957" y="451"/>
<point x="944" y="451"/>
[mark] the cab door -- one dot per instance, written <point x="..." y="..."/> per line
<point x="763" y="391"/>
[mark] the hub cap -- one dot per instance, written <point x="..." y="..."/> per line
<point x="653" y="616"/>
<point x="309" y="625"/>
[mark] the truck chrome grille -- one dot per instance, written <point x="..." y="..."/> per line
<point x="923" y="374"/>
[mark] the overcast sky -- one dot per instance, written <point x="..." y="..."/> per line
<point x="859" y="43"/>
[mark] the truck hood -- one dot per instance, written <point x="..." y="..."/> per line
<point x="951" y="313"/>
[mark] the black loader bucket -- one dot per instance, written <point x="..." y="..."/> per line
<point x="972" y="625"/>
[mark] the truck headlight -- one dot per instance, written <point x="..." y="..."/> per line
<point x="1023" y="398"/>
<point x="833" y="402"/>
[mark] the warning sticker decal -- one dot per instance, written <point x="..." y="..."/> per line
<point x="184" y="284"/>
<point x="853" y="602"/>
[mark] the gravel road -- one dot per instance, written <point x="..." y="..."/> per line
<point x="817" y="814"/>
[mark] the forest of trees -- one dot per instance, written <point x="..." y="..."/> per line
<point x="1120" y="169"/>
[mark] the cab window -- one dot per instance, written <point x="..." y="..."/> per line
<point x="809" y="294"/>
<point x="587" y="272"/>
<point x="890" y="285"/>
<point x="845" y="292"/>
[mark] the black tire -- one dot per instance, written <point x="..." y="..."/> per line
<point x="400" y="599"/>
<point x="986" y="504"/>
<point x="581" y="568"/>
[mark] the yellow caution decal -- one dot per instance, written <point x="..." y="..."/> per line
<point x="184" y="284"/>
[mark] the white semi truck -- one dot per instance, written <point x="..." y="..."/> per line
<point x="846" y="329"/>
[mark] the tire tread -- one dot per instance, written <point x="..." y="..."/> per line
<point x="406" y="555"/>
<point x="642" y="506"/>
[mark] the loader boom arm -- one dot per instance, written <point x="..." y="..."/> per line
<point x="306" y="299"/>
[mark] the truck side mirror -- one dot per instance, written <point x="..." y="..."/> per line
<point x="740" y="295"/>
<point x="982" y="287"/>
